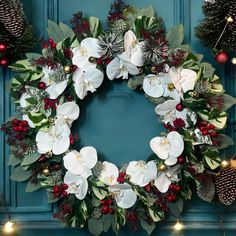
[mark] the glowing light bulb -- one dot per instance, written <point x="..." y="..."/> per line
<point x="162" y="167"/>
<point x="224" y="163"/>
<point x="178" y="226"/>
<point x="233" y="60"/>
<point x="8" y="227"/>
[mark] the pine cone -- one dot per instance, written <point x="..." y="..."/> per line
<point x="226" y="185"/>
<point x="12" y="17"/>
<point x="206" y="189"/>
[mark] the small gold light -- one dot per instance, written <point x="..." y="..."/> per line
<point x="92" y="60"/>
<point x="224" y="163"/>
<point x="46" y="171"/>
<point x="67" y="69"/>
<point x="162" y="167"/>
<point x="170" y="87"/>
<point x="233" y="60"/>
<point x="178" y="226"/>
<point x="8" y="227"/>
<point x="230" y="19"/>
<point x="154" y="69"/>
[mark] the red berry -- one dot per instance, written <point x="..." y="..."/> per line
<point x="99" y="61"/>
<point x="122" y="174"/>
<point x="105" y="210"/>
<point x="169" y="197"/>
<point x="53" y="45"/>
<point x="107" y="61"/>
<point x="15" y="122"/>
<point x="110" y="202"/>
<point x="148" y="188"/>
<point x="56" y="189"/>
<point x="20" y="128"/>
<point x="25" y="129"/>
<point x="181" y="160"/>
<point x="179" y="107"/>
<point x="64" y="186"/>
<point x="57" y="195"/>
<point x="42" y="85"/>
<point x="73" y="68"/>
<point x="202" y="128"/>
<point x="3" y="47"/>
<point x="111" y="211"/>
<point x="42" y="158"/>
<point x="120" y="180"/>
<point x="221" y="57"/>
<point x="177" y="188"/>
<point x="24" y="123"/>
<point x="64" y="193"/>
<point x="50" y="41"/>
<point x="205" y="132"/>
<point x="172" y="187"/>
<point x="103" y="202"/>
<point x="213" y="134"/>
<point x="3" y="62"/>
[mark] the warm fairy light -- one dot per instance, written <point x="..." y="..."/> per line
<point x="162" y="167"/>
<point x="8" y="227"/>
<point x="224" y="163"/>
<point x="230" y="19"/>
<point x="178" y="226"/>
<point x="233" y="60"/>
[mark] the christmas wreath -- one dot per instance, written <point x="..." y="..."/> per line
<point x="190" y="102"/>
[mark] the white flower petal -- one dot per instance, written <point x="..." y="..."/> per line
<point x="164" y="108"/>
<point x="162" y="182"/>
<point x="44" y="142"/>
<point x="177" y="144"/>
<point x="132" y="69"/>
<point x="137" y="55"/>
<point x="56" y="89"/>
<point x="113" y="68"/>
<point x="109" y="173"/>
<point x="129" y="40"/>
<point x="91" y="44"/>
<point x="158" y="148"/>
<point x="89" y="155"/>
<point x="94" y="77"/>
<point x="152" y="86"/>
<point x="171" y="160"/>
<point x="61" y="145"/>
<point x="188" y="79"/>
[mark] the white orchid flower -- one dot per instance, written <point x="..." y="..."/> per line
<point x="165" y="177"/>
<point x="56" y="140"/>
<point x="77" y="185"/>
<point x="133" y="48"/>
<point x="124" y="195"/>
<point x="152" y="86"/>
<point x="109" y="173"/>
<point x="168" y="148"/>
<point x="89" y="47"/>
<point x="81" y="163"/>
<point x="69" y="111"/>
<point x="54" y="89"/>
<point x="169" y="113"/>
<point x="141" y="173"/>
<point x="121" y="67"/>
<point x="87" y="80"/>
<point x="183" y="79"/>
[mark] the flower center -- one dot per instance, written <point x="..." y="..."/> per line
<point x="118" y="195"/>
<point x="153" y="80"/>
<point x="165" y="143"/>
<point x="171" y="87"/>
<point x="141" y="165"/>
<point x="74" y="186"/>
<point x="83" y="51"/>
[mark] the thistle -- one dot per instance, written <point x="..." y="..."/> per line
<point x="119" y="26"/>
<point x="111" y="44"/>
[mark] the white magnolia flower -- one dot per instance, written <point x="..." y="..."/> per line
<point x="168" y="148"/>
<point x="169" y="113"/>
<point x="56" y="140"/>
<point x="81" y="163"/>
<point x="141" y="173"/>
<point x="77" y="185"/>
<point x="109" y="173"/>
<point x="69" y="111"/>
<point x="165" y="177"/>
<point x="183" y="79"/>
<point x="87" y="80"/>
<point x="121" y="67"/>
<point x="124" y="195"/>
<point x="88" y="48"/>
<point x="54" y="89"/>
<point x="133" y="48"/>
<point x="152" y="86"/>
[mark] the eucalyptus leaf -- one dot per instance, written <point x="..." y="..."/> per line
<point x="66" y="30"/>
<point x="175" y="36"/>
<point x="177" y="208"/>
<point x="30" y="158"/>
<point x="148" y="227"/>
<point x="95" y="26"/>
<point x="20" y="175"/>
<point x="95" y="226"/>
<point x="32" y="187"/>
<point x="33" y="55"/>
<point x="224" y="142"/>
<point x="13" y="160"/>
<point x="229" y="101"/>
<point x="148" y="11"/>
<point x="107" y="221"/>
<point x="55" y="32"/>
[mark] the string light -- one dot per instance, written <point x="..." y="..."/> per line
<point x="178" y="226"/>
<point x="224" y="163"/>
<point x="233" y="60"/>
<point x="9" y="227"/>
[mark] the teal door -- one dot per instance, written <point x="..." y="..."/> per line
<point x="123" y="120"/>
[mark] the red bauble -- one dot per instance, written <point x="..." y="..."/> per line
<point x="42" y="85"/>
<point x="179" y="107"/>
<point x="221" y="57"/>
<point x="3" y="61"/>
<point x="3" y="47"/>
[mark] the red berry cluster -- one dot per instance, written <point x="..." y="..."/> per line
<point x="169" y="127"/>
<point x="50" y="103"/>
<point x="60" y="190"/>
<point x="121" y="177"/>
<point x="173" y="190"/>
<point x="106" y="203"/>
<point x="68" y="53"/>
<point x="103" y="61"/>
<point x="80" y="24"/>
<point x="20" y="127"/>
<point x="207" y="129"/>
<point x="49" y="43"/>
<point x="181" y="160"/>
<point x="179" y="123"/>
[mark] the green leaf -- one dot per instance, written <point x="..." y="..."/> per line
<point x="107" y="221"/>
<point x="13" y="160"/>
<point x="33" y="55"/>
<point x="95" y="26"/>
<point x="32" y="187"/>
<point x="148" y="227"/>
<point x="229" y="101"/>
<point x="155" y="217"/>
<point x="212" y="163"/>
<point x="148" y="11"/>
<point x="224" y="141"/>
<point x="95" y="226"/>
<point x="20" y="175"/>
<point x="55" y="32"/>
<point x="175" y="36"/>
<point x="134" y="82"/>
<point x="177" y="208"/>
<point x="99" y="193"/>
<point x="66" y="30"/>
<point x="30" y="158"/>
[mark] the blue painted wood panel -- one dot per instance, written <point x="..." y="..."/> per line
<point x="32" y="210"/>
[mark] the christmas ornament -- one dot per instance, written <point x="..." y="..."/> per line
<point x="3" y="48"/>
<point x="221" y="57"/>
